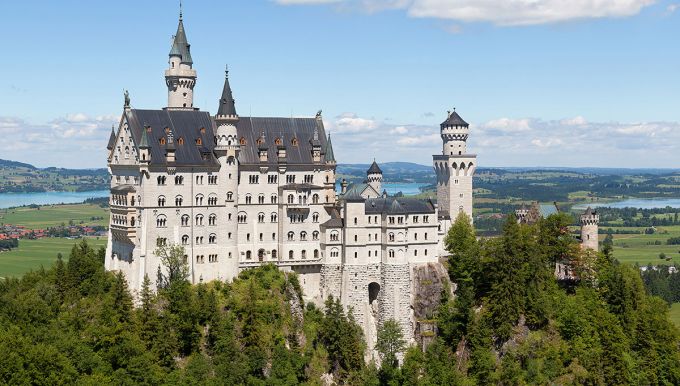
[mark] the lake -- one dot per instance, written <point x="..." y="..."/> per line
<point x="8" y="200"/>
<point x="644" y="203"/>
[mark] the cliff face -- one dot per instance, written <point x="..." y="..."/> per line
<point x="429" y="282"/>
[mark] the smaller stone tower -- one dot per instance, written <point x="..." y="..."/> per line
<point x="227" y="148"/>
<point x="589" y="229"/>
<point x="180" y="77"/>
<point x="375" y="177"/>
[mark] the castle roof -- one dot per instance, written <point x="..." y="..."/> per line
<point x="112" y="139"/>
<point x="398" y="205"/>
<point x="295" y="134"/>
<point x="144" y="142"/>
<point x="590" y="212"/>
<point x="454" y="120"/>
<point x="180" y="45"/>
<point x="196" y="128"/>
<point x="328" y="152"/>
<point x="374" y="169"/>
<point x="227" y="104"/>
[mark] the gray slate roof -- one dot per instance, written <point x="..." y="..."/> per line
<point x="328" y="151"/>
<point x="112" y="140"/>
<point x="302" y="129"/>
<point x="183" y="124"/>
<point x="398" y="205"/>
<point x="374" y="168"/>
<point x="227" y="103"/>
<point x="180" y="45"/>
<point x="454" y="120"/>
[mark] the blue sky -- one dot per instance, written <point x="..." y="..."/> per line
<point x="552" y="83"/>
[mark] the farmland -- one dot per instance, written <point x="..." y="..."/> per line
<point x="32" y="254"/>
<point x="55" y="215"/>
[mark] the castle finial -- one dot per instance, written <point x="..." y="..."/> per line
<point x="454" y="109"/>
<point x="226" y="71"/>
<point x="180" y="10"/>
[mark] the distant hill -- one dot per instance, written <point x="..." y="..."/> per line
<point x="22" y="177"/>
<point x="392" y="172"/>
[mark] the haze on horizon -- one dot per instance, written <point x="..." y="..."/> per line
<point x="573" y="85"/>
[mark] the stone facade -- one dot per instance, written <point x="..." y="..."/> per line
<point x="238" y="192"/>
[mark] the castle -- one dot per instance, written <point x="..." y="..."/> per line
<point x="238" y="192"/>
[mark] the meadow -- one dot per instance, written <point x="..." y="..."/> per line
<point x="55" y="215"/>
<point x="32" y="254"/>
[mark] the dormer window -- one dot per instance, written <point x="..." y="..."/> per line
<point x="162" y="141"/>
<point x="167" y="130"/>
<point x="202" y="130"/>
<point x="242" y="141"/>
<point x="278" y="141"/>
<point x="294" y="142"/>
<point x="199" y="142"/>
<point x="180" y="141"/>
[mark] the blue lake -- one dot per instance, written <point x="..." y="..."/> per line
<point x="8" y="200"/>
<point x="644" y="203"/>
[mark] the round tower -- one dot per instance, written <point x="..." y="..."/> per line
<point x="589" y="229"/>
<point x="374" y="177"/>
<point x="180" y="77"/>
<point x="454" y="133"/>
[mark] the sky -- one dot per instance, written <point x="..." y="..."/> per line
<point x="542" y="82"/>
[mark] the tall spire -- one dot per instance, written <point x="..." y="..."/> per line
<point x="112" y="139"/>
<point x="328" y="153"/>
<point x="227" y="103"/>
<point x="180" y="45"/>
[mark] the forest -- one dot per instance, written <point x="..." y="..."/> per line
<point x="510" y="323"/>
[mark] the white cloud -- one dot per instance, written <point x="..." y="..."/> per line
<point x="672" y="8"/>
<point x="399" y="130"/>
<point x="75" y="140"/>
<point x="499" y="12"/>
<point x="508" y="125"/>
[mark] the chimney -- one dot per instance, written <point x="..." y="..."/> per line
<point x="343" y="186"/>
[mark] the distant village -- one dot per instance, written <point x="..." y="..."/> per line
<point x="11" y="234"/>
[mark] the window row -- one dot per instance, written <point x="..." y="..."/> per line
<point x="303" y="236"/>
<point x="179" y="200"/>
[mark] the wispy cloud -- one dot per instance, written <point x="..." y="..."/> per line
<point x="499" y="12"/>
<point x="75" y="140"/>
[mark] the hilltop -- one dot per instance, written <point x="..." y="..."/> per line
<point x="21" y="177"/>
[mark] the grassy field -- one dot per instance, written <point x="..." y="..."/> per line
<point x="675" y="314"/>
<point x="639" y="248"/>
<point x="53" y="215"/>
<point x="31" y="254"/>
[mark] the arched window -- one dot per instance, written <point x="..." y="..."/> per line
<point x="242" y="218"/>
<point x="212" y="239"/>
<point x="291" y="199"/>
<point x="185" y="240"/>
<point x="230" y="196"/>
<point x="315" y="199"/>
<point x="249" y="199"/>
<point x="304" y="254"/>
<point x="278" y="141"/>
<point x="315" y="217"/>
<point x="249" y="255"/>
<point x="180" y="141"/>
<point x="199" y="220"/>
<point x="294" y="142"/>
<point x="161" y="200"/>
<point x="212" y="219"/>
<point x="315" y="235"/>
<point x="390" y="237"/>
<point x="303" y="236"/>
<point x="242" y="141"/>
<point x="274" y="198"/>
<point x="334" y="236"/>
<point x="260" y="217"/>
<point x="260" y="199"/>
<point x="316" y="253"/>
<point x="291" y="236"/>
<point x="290" y="255"/>
<point x="179" y="180"/>
<point x="273" y="254"/>
<point x="391" y="253"/>
<point x="161" y="221"/>
<point x="178" y="201"/>
<point x="185" y="220"/>
<point x="199" y="141"/>
<point x="274" y="217"/>
<point x="199" y="199"/>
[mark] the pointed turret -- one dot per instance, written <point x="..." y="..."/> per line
<point x="180" y="45"/>
<point x="328" y="152"/>
<point x="112" y="139"/>
<point x="227" y="103"/>
<point x="144" y="142"/>
<point x="180" y="77"/>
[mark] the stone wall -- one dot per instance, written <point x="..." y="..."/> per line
<point x="395" y="297"/>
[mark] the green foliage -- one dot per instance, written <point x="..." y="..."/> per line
<point x="390" y="342"/>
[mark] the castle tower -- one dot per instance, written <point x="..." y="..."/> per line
<point x="454" y="169"/>
<point x="375" y="177"/>
<point x="180" y="77"/>
<point x="589" y="229"/>
<point x="227" y="149"/>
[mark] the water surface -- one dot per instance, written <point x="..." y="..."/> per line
<point x="9" y="200"/>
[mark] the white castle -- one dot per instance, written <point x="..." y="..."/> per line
<point x="239" y="192"/>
